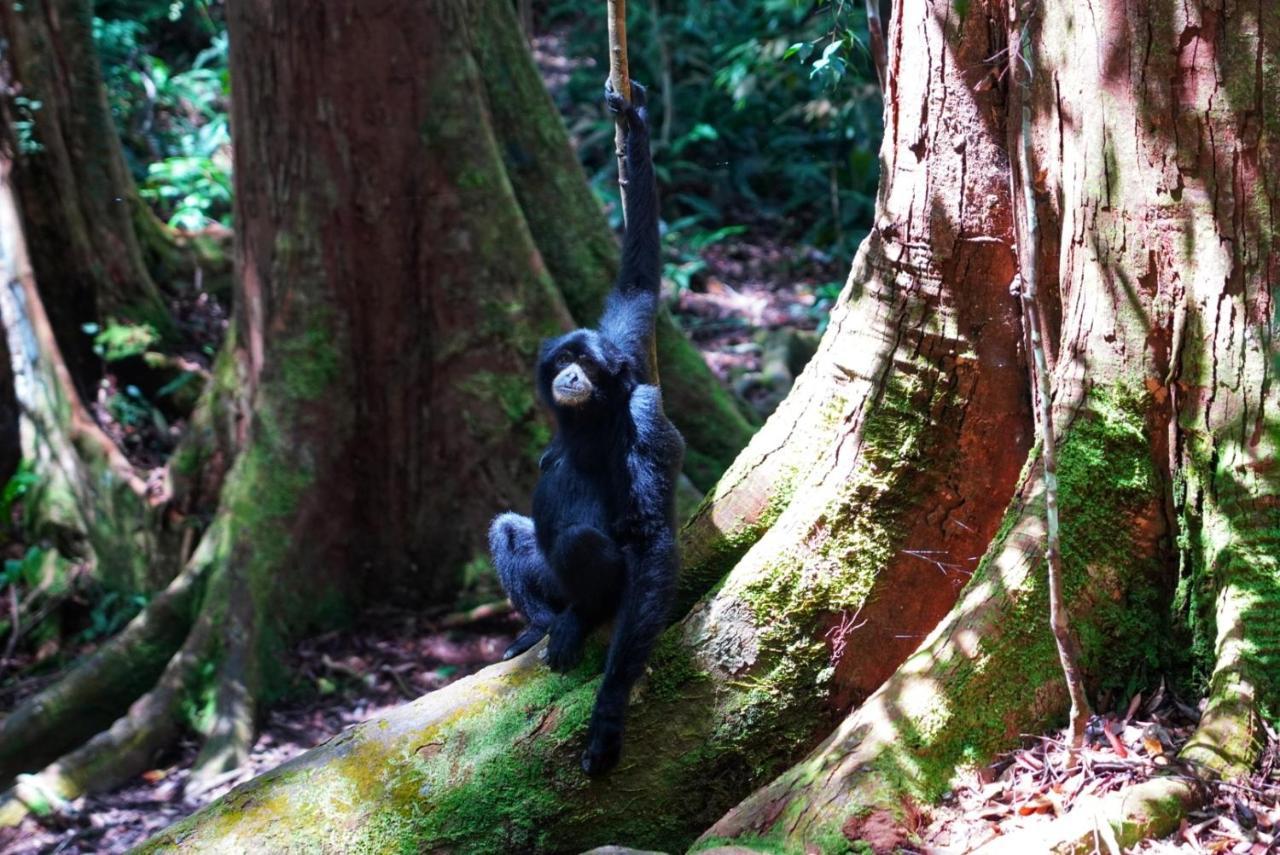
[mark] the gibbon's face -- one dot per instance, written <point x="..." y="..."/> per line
<point x="578" y="369"/>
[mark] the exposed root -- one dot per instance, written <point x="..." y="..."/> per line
<point x="1112" y="823"/>
<point x="101" y="687"/>
<point x="1226" y="745"/>
<point x="119" y="753"/>
<point x="227" y="745"/>
<point x="954" y="702"/>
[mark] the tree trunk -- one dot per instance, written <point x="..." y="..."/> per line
<point x="390" y="301"/>
<point x="575" y="244"/>
<point x="850" y="522"/>
<point x="1156" y="141"/>
<point x="78" y="202"/>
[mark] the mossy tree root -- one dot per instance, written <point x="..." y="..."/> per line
<point x="1112" y="823"/>
<point x="182" y="618"/>
<point x="120" y="752"/>
<point x="96" y="691"/>
<point x="1225" y="745"/>
<point x="230" y="739"/>
<point x="990" y="670"/>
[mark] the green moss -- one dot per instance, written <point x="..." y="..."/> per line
<point x="309" y="361"/>
<point x="857" y="535"/>
<point x="1108" y="487"/>
<point x="497" y="779"/>
<point x="714" y="427"/>
<point x="515" y="396"/>
<point x="765" y="845"/>
<point x="673" y="668"/>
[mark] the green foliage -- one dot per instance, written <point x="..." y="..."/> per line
<point x="110" y="613"/>
<point x="16" y="489"/>
<point x="25" y="571"/>
<point x="773" y="119"/>
<point x="131" y="409"/>
<point x="119" y="341"/>
<point x="165" y="66"/>
<point x="24" y="123"/>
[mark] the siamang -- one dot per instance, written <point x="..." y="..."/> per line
<point x="601" y="543"/>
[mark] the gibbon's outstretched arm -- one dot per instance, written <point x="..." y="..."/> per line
<point x="632" y="305"/>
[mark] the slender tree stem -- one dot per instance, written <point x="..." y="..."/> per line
<point x="1020" y="65"/>
<point x="875" y="32"/>
<point x="621" y="79"/>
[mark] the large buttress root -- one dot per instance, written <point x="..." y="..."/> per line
<point x="1225" y="745"/>
<point x="101" y="687"/>
<point x="990" y="671"/>
<point x="55" y="719"/>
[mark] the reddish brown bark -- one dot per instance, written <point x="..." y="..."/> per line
<point x="78" y="202"/>
<point x="391" y="297"/>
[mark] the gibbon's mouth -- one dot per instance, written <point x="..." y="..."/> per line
<point x="571" y="388"/>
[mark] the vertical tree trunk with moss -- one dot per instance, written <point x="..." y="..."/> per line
<point x="78" y="202"/>
<point x="1156" y="140"/>
<point x="375" y="390"/>
<point x="847" y="526"/>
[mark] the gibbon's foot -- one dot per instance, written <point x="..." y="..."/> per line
<point x="604" y="747"/>
<point x="564" y="650"/>
<point x="531" y="636"/>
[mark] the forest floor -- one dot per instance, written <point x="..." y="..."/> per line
<point x="341" y="678"/>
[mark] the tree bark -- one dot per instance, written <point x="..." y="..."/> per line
<point x="850" y="521"/>
<point x="78" y="203"/>
<point x="390" y="301"/>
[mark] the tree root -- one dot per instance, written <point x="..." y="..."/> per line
<point x="1224" y="745"/>
<point x="101" y="687"/>
<point x="122" y="751"/>
<point x="987" y="673"/>
<point x="227" y="746"/>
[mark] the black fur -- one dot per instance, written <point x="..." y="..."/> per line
<point x="601" y="543"/>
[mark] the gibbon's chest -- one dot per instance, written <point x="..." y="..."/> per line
<point x="580" y="489"/>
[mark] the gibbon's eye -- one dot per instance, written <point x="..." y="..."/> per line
<point x="562" y="360"/>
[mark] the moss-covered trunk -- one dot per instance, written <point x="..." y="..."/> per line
<point x="847" y="526"/>
<point x="88" y="501"/>
<point x="574" y="241"/>
<point x="77" y="200"/>
<point x="1156" y="136"/>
